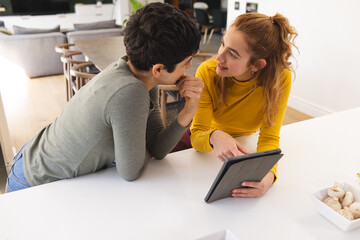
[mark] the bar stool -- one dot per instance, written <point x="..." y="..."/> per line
<point x="62" y="47"/>
<point x="82" y="73"/>
<point x="165" y="91"/>
<point x="68" y="62"/>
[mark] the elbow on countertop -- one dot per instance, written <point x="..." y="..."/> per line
<point x="130" y="172"/>
<point x="130" y="177"/>
<point x="159" y="156"/>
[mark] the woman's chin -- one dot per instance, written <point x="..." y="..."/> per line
<point x="221" y="73"/>
<point x="218" y="71"/>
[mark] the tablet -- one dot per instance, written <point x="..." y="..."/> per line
<point x="235" y="170"/>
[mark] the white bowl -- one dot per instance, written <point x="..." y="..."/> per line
<point x="333" y="216"/>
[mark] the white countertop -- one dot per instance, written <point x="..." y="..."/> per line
<point x="167" y="201"/>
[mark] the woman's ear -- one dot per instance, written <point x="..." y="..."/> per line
<point x="259" y="64"/>
<point x="157" y="69"/>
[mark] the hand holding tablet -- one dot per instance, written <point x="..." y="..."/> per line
<point x="250" y="167"/>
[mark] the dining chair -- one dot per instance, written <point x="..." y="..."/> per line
<point x="63" y="47"/>
<point x="202" y="19"/>
<point x="165" y="91"/>
<point x="70" y="58"/>
<point x="219" y="22"/>
<point x="68" y="62"/>
<point x="82" y="73"/>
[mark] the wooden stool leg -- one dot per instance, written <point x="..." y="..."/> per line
<point x="205" y="35"/>
<point x="70" y="86"/>
<point x="66" y="83"/>
<point x="67" y="88"/>
<point x="163" y="105"/>
<point x="210" y="36"/>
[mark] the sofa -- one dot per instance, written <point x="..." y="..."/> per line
<point x="34" y="49"/>
<point x="33" y="52"/>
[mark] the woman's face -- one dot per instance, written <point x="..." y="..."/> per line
<point x="234" y="56"/>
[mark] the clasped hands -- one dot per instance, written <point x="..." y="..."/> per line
<point x="190" y="88"/>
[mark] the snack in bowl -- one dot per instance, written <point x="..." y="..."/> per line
<point x="355" y="209"/>
<point x="340" y="204"/>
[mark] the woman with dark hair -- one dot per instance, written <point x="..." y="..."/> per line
<point x="247" y="87"/>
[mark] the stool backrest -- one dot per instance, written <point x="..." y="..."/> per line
<point x="82" y="73"/>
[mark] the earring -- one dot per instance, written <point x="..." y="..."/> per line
<point x="253" y="71"/>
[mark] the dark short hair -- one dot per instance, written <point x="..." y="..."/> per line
<point x="160" y="33"/>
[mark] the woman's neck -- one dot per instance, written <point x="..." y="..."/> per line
<point x="244" y="77"/>
<point x="243" y="80"/>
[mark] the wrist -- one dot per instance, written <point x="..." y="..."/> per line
<point x="272" y="177"/>
<point x="185" y="118"/>
<point x="212" y="137"/>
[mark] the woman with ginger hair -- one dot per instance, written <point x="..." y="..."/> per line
<point x="247" y="87"/>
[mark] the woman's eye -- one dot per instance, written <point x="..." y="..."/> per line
<point x="231" y="54"/>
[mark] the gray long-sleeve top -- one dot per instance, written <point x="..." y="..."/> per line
<point x="113" y="117"/>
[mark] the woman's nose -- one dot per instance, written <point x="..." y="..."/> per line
<point x="220" y="56"/>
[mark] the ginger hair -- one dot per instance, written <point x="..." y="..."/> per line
<point x="272" y="39"/>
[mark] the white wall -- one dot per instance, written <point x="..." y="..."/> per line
<point x="327" y="77"/>
<point x="224" y="4"/>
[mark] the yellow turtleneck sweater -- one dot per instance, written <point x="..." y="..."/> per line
<point x="242" y="114"/>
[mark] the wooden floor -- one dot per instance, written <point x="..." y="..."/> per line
<point x="292" y="116"/>
<point x="32" y="104"/>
